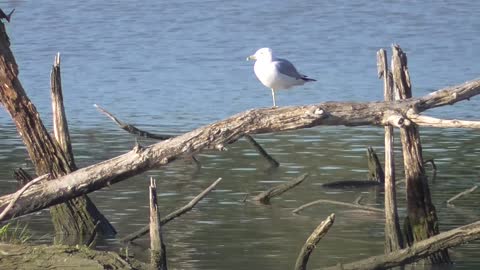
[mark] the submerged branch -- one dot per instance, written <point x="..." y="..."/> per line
<point x="265" y="196"/>
<point x="354" y="205"/>
<point x="312" y="242"/>
<point x="189" y="206"/>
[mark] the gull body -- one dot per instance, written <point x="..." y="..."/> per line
<point x="276" y="73"/>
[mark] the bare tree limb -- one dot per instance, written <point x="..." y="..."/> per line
<point x="265" y="196"/>
<point x="189" y="206"/>
<point x="427" y="121"/>
<point x="359" y="206"/>
<point x="418" y="250"/>
<point x="158" y="251"/>
<point x="468" y="191"/>
<point x="132" y="129"/>
<point x="261" y="151"/>
<point x="312" y="242"/>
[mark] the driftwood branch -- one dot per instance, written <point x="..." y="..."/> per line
<point x="354" y="205"/>
<point x="312" y="242"/>
<point x="418" y="250"/>
<point x="158" y="251"/>
<point x="463" y="193"/>
<point x="189" y="206"/>
<point x="216" y="135"/>
<point x="265" y="196"/>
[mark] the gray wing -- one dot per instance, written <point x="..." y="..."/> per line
<point x="287" y="68"/>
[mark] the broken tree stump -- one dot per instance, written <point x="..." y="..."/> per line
<point x="422" y="221"/>
<point x="393" y="233"/>
<point x="76" y="216"/>
<point x="158" y="252"/>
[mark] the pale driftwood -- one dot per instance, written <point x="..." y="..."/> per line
<point x="20" y="192"/>
<point x="418" y="250"/>
<point x="428" y="121"/>
<point x="158" y="251"/>
<point x="189" y="206"/>
<point x="422" y="221"/>
<point x="312" y="241"/>
<point x="261" y="151"/>
<point x="463" y="193"/>
<point x="60" y="125"/>
<point x="393" y="234"/>
<point x="216" y="135"/>
<point x="265" y="196"/>
<point x="353" y="205"/>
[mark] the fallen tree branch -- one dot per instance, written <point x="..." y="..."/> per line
<point x="265" y="196"/>
<point x="470" y="190"/>
<point x="214" y="136"/>
<point x="189" y="206"/>
<point x="312" y="242"/>
<point x="418" y="250"/>
<point x="363" y="207"/>
<point x="20" y="192"/>
<point x="132" y="129"/>
<point x="427" y="121"/>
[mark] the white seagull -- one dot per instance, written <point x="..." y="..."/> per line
<point x="276" y="73"/>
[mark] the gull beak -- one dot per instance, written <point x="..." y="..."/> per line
<point x="251" y="57"/>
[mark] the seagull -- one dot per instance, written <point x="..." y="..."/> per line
<point x="276" y="73"/>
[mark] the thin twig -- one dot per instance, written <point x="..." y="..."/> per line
<point x="373" y="209"/>
<point x="470" y="190"/>
<point x="20" y="192"/>
<point x="189" y="206"/>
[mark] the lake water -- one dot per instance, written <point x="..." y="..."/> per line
<point x="169" y="67"/>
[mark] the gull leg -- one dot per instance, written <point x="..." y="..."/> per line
<point x="273" y="96"/>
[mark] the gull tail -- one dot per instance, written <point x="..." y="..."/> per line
<point x="305" y="78"/>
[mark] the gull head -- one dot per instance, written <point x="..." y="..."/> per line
<point x="261" y="55"/>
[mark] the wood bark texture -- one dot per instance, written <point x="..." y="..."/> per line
<point x="76" y="216"/>
<point x="418" y="250"/>
<point x="393" y="233"/>
<point x="422" y="221"/>
<point x="158" y="252"/>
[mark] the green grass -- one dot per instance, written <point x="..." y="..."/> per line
<point x="16" y="235"/>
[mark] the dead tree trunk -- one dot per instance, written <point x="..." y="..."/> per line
<point x="78" y="215"/>
<point x="158" y="252"/>
<point x="393" y="234"/>
<point x="422" y="221"/>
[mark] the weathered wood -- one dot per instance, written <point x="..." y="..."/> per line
<point x="418" y="250"/>
<point x="60" y="125"/>
<point x="61" y="257"/>
<point x="375" y="171"/>
<point x="76" y="216"/>
<point x="265" y="196"/>
<point x="353" y="205"/>
<point x="214" y="136"/>
<point x="422" y="221"/>
<point x="312" y="241"/>
<point x="463" y="193"/>
<point x="189" y="206"/>
<point x="158" y="251"/>
<point x="393" y="234"/>
<point x="261" y="151"/>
